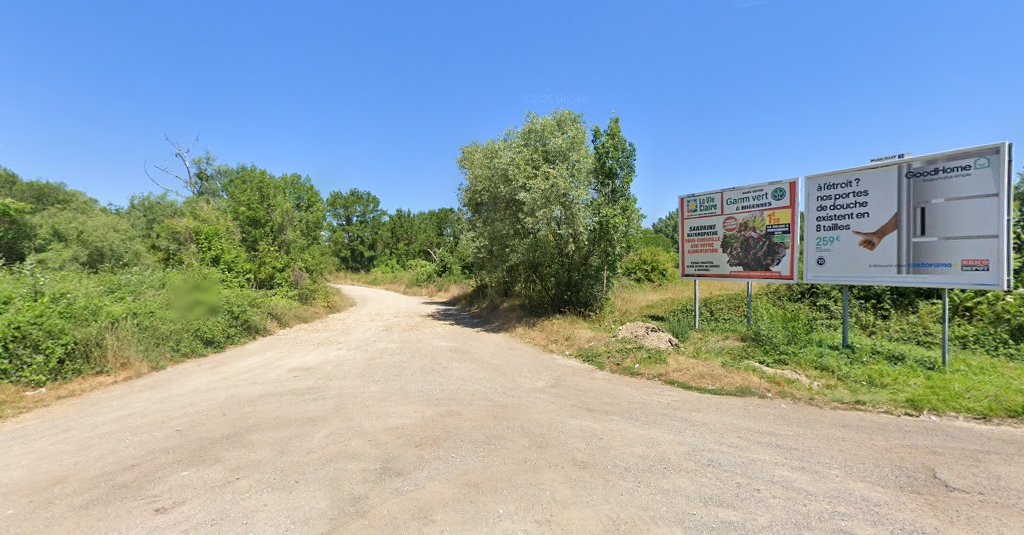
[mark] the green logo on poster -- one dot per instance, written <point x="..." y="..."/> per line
<point x="778" y="194"/>
<point x="982" y="163"/>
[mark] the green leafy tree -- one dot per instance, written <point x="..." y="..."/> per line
<point x="280" y="220"/>
<point x="650" y="238"/>
<point x="432" y="236"/>
<point x="442" y="240"/>
<point x="616" y="218"/>
<point x="355" y="223"/>
<point x="61" y="228"/>
<point x="401" y="239"/>
<point x="196" y="232"/>
<point x="209" y="176"/>
<point x="668" y="226"/>
<point x="8" y="181"/>
<point x="15" y="231"/>
<point x="40" y="194"/>
<point x="550" y="213"/>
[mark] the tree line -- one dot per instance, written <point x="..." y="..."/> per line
<point x="546" y="215"/>
<point x="260" y="230"/>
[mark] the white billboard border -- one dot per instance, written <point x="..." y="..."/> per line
<point x="795" y="233"/>
<point x="1007" y="215"/>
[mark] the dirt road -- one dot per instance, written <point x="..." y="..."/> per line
<point x="400" y="415"/>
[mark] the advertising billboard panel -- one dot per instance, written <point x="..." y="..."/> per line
<point x="937" y="221"/>
<point x="744" y="233"/>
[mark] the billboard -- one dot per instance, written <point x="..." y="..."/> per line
<point x="745" y="233"/>
<point x="938" y="221"/>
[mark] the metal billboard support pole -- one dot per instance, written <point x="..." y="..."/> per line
<point x="696" y="304"/>
<point x="750" y="301"/>
<point x="945" y="327"/>
<point x="846" y="317"/>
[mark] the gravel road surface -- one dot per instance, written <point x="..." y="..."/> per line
<point x="401" y="415"/>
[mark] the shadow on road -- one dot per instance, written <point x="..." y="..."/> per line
<point x="492" y="320"/>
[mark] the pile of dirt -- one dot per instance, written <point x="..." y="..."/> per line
<point x="647" y="335"/>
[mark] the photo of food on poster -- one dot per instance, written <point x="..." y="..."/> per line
<point x="744" y="233"/>
<point x="937" y="221"/>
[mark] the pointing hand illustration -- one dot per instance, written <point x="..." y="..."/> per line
<point x="870" y="240"/>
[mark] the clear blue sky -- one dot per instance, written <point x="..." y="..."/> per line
<point x="380" y="96"/>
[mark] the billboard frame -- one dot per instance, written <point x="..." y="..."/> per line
<point x="1006" y="191"/>
<point x="795" y="233"/>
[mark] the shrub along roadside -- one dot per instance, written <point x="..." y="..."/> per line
<point x="991" y="323"/>
<point x="649" y="264"/>
<point x="57" y="325"/>
<point x="894" y="363"/>
<point x="87" y="289"/>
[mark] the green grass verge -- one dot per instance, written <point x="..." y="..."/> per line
<point x="886" y="368"/>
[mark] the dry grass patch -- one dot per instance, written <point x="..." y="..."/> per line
<point x="711" y="374"/>
<point x="629" y="296"/>
<point x="559" y="334"/>
<point x="632" y="302"/>
<point x="15" y="400"/>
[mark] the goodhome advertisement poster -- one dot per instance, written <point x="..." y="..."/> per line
<point x="744" y="233"/>
<point x="939" y="221"/>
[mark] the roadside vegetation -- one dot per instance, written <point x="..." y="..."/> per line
<point x="88" y="290"/>
<point x="893" y="365"/>
<point x="541" y="186"/>
<point x="547" y="244"/>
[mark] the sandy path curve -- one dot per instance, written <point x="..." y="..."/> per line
<point x="400" y="415"/>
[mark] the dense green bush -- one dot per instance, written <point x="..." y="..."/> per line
<point x="806" y="336"/>
<point x="991" y="322"/>
<point x="726" y="312"/>
<point x="779" y="332"/>
<point x="649" y="264"/>
<point x="85" y="288"/>
<point x="39" y="336"/>
<point x="85" y="239"/>
<point x="55" y="325"/>
<point x="423" y="271"/>
<point x="281" y="221"/>
<point x="881" y="301"/>
<point x="387" y="266"/>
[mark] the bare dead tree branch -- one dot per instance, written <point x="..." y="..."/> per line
<point x="189" y="181"/>
<point x="145" y="168"/>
